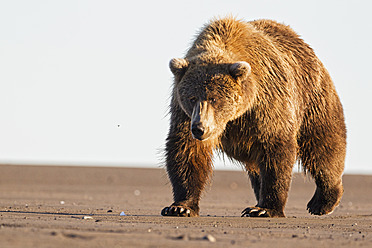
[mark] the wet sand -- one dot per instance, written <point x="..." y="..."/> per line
<point x="46" y="206"/>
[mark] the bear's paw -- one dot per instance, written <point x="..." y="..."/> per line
<point x="262" y="212"/>
<point x="325" y="201"/>
<point x="255" y="212"/>
<point x="178" y="211"/>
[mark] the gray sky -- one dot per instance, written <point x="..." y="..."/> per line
<point x="87" y="82"/>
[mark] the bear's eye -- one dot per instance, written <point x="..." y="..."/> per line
<point x="212" y="100"/>
<point x="192" y="100"/>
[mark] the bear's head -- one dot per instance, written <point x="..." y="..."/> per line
<point x="211" y="94"/>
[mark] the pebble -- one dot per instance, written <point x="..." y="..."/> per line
<point x="87" y="218"/>
<point x="210" y="238"/>
<point x="182" y="237"/>
<point x="233" y="185"/>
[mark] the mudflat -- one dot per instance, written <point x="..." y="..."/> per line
<point x="55" y="206"/>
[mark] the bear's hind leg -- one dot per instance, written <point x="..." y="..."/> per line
<point x="325" y="200"/>
<point x="324" y="158"/>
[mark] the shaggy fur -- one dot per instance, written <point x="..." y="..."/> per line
<point x="257" y="92"/>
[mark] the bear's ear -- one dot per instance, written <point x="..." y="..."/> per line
<point x="240" y="70"/>
<point x="178" y="66"/>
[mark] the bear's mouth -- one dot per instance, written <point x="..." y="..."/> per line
<point x="200" y="138"/>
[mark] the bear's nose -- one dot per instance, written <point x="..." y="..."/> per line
<point x="197" y="130"/>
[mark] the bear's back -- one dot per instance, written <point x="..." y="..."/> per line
<point x="301" y="56"/>
<point x="284" y="37"/>
<point x="308" y="71"/>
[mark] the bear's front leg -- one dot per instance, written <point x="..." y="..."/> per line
<point x="275" y="178"/>
<point x="188" y="164"/>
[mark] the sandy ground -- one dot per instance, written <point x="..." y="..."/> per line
<point x="46" y="206"/>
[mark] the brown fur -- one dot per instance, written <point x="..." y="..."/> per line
<point x="280" y="107"/>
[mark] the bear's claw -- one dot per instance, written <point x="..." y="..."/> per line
<point x="255" y="212"/>
<point x="177" y="211"/>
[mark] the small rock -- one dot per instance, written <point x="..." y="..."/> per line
<point x="122" y="213"/>
<point x="210" y="238"/>
<point x="62" y="202"/>
<point x="233" y="185"/>
<point x="182" y="237"/>
<point x="109" y="211"/>
<point x="87" y="218"/>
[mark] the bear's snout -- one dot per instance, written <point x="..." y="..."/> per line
<point x="202" y="121"/>
<point x="197" y="130"/>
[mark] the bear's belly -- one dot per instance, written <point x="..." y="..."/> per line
<point x="246" y="152"/>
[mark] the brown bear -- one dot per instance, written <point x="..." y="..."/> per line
<point x="256" y="92"/>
